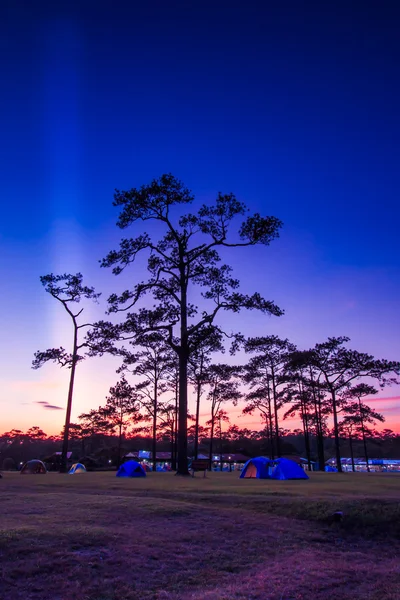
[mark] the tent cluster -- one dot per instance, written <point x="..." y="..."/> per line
<point x="37" y="467"/>
<point x="131" y="468"/>
<point x="265" y="468"/>
<point x="258" y="468"/>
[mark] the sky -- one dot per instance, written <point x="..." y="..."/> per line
<point x="291" y="106"/>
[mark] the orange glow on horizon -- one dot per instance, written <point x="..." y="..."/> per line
<point x="52" y="420"/>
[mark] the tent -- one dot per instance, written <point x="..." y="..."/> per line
<point x="131" y="468"/>
<point x="283" y="468"/>
<point x="265" y="468"/>
<point x="256" y="468"/>
<point x="77" y="468"/>
<point x="329" y="469"/>
<point x="33" y="467"/>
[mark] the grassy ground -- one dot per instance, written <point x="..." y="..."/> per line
<point x="96" y="537"/>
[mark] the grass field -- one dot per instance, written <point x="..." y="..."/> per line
<point x="96" y="537"/>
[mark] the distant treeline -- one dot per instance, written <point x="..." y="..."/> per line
<point x="99" y="449"/>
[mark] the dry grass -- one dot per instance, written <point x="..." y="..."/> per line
<point x="95" y="537"/>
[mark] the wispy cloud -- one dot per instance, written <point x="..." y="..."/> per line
<point x="383" y="399"/>
<point x="47" y="405"/>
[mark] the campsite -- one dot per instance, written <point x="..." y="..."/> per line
<point x="200" y="337"/>
<point x="99" y="537"/>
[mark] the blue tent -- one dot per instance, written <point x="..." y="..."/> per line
<point x="256" y="468"/>
<point x="77" y="468"/>
<point x="131" y="469"/>
<point x="265" y="468"/>
<point x="329" y="469"/>
<point x="283" y="468"/>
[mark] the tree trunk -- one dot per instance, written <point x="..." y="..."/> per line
<point x="304" y="416"/>
<point x="183" y="374"/>
<point x="336" y="430"/>
<point x="307" y="441"/>
<point x="271" y="427"/>
<point x="268" y="445"/>
<point x="182" y="416"/>
<point x="363" y="435"/>
<point x="175" y="427"/>
<point x="211" y="442"/>
<point x="320" y="436"/>
<point x="64" y="451"/>
<point x="318" y="423"/>
<point x="172" y="433"/>
<point x="353" y="467"/>
<point x="154" y="441"/>
<point x="196" y="434"/>
<point x="119" y="446"/>
<point x="278" y="443"/>
<point x="220" y="446"/>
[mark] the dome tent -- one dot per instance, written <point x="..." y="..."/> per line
<point x="283" y="468"/>
<point x="131" y="469"/>
<point x="256" y="468"/>
<point x="33" y="467"/>
<point x="77" y="468"/>
<point x="329" y="469"/>
<point x="265" y="468"/>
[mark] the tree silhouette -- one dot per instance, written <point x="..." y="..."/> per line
<point x="199" y="361"/>
<point x="184" y="257"/>
<point x="153" y="362"/>
<point x="35" y="434"/>
<point x="76" y="432"/>
<point x="266" y="374"/>
<point x="312" y="399"/>
<point x="68" y="290"/>
<point x="172" y="384"/>
<point x="167" y="426"/>
<point x="348" y="429"/>
<point x="223" y="387"/>
<point x="122" y="410"/>
<point x="94" y="424"/>
<point x="340" y="367"/>
<point x="301" y="402"/>
<point x="360" y="414"/>
<point x="220" y="417"/>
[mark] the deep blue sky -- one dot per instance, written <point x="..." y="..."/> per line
<point x="293" y="106"/>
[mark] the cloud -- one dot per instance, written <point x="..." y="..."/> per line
<point x="383" y="399"/>
<point x="47" y="405"/>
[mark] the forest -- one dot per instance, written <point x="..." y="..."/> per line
<point x="168" y="339"/>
